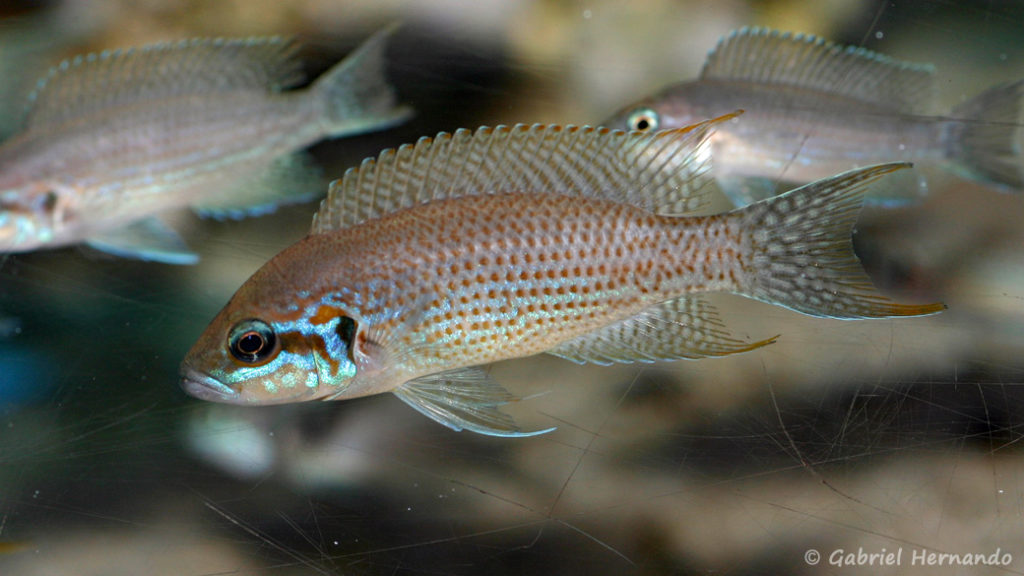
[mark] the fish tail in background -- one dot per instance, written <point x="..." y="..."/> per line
<point x="802" y="255"/>
<point x="985" y="140"/>
<point x="355" y="95"/>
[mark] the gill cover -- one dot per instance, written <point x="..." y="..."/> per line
<point x="334" y="355"/>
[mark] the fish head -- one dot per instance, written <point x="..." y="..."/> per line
<point x="261" y="349"/>
<point x="18" y="231"/>
<point x="667" y="110"/>
<point x="27" y="218"/>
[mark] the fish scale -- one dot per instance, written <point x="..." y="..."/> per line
<point x="553" y="279"/>
<point x="431" y="260"/>
<point x="555" y="283"/>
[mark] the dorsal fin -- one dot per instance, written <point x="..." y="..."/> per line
<point x="665" y="172"/>
<point x="772" y="57"/>
<point x="95" y="82"/>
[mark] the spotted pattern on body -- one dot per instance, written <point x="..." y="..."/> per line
<point x="417" y="271"/>
<point x="514" y="275"/>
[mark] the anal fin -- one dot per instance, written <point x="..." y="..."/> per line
<point x="685" y="328"/>
<point x="463" y="399"/>
<point x="148" y="239"/>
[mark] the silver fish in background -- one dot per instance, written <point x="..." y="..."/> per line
<point x="475" y="247"/>
<point x="814" y="109"/>
<point x="110" y="140"/>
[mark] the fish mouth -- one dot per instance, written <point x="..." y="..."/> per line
<point x="206" y="387"/>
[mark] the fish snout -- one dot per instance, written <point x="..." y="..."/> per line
<point x="21" y="231"/>
<point x="206" y="387"/>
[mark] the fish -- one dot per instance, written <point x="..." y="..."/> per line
<point x="471" y="247"/>
<point x="112" y="140"/>
<point x="814" y="108"/>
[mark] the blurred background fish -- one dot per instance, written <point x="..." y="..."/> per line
<point x="476" y="247"/>
<point x="814" y="108"/>
<point x="113" y="139"/>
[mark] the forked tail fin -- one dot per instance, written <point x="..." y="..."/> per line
<point x="803" y="255"/>
<point x="986" y="141"/>
<point x="355" y="95"/>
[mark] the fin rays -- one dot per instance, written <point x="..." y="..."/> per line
<point x="665" y="172"/>
<point x="803" y="255"/>
<point x="686" y="328"/>
<point x="109" y="80"/>
<point x="463" y="399"/>
<point x="812" y="62"/>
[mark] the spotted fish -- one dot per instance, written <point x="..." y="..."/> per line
<point x="474" y="247"/>
<point x="814" y="108"/>
<point x="112" y="140"/>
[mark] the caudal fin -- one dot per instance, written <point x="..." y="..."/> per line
<point x="985" y="140"/>
<point x="803" y="255"/>
<point x="355" y="95"/>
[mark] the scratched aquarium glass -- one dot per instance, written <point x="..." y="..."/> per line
<point x="845" y="447"/>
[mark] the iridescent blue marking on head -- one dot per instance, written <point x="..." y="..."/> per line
<point x="260" y="361"/>
<point x="20" y="231"/>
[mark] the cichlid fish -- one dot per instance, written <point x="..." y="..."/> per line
<point x="112" y="139"/>
<point x="501" y="243"/>
<point x="814" y="109"/>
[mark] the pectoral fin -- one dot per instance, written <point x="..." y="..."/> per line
<point x="464" y="399"/>
<point x="148" y="239"/>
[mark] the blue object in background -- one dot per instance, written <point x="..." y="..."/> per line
<point x="25" y="374"/>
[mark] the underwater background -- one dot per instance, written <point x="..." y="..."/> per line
<point x="880" y="436"/>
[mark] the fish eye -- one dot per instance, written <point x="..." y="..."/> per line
<point x="643" y="119"/>
<point x="252" y="341"/>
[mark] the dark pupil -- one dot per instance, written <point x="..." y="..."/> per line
<point x="642" y="123"/>
<point x="250" y="343"/>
